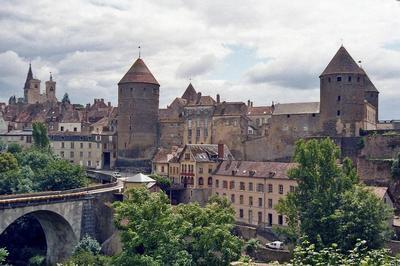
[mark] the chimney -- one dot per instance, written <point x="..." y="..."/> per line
<point x="251" y="104"/>
<point x="88" y="105"/>
<point x="220" y="151"/>
<point x="218" y="98"/>
<point x="109" y="104"/>
<point x="198" y="97"/>
<point x="248" y="103"/>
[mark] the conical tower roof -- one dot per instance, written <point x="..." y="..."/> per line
<point x="190" y="93"/>
<point x="342" y="62"/>
<point x="29" y="77"/>
<point x="139" y="73"/>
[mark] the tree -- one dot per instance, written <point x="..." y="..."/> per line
<point x="60" y="175"/>
<point x="163" y="182"/>
<point x="39" y="134"/>
<point x="307" y="254"/>
<point x="7" y="162"/>
<point x="14" y="148"/>
<point x="87" y="244"/>
<point x="65" y="99"/>
<point x="320" y="207"/>
<point x="3" y="255"/>
<point x="153" y="232"/>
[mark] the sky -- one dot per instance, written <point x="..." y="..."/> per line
<point x="263" y="50"/>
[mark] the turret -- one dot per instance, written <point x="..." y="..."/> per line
<point x="51" y="89"/>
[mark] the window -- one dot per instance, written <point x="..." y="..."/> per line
<point x="260" y="188"/>
<point x="358" y="79"/>
<point x="198" y="132"/>
<point x="225" y="184"/>
<point x="98" y="145"/>
<point x="89" y="163"/>
<point x="206" y="132"/>
<point x="232" y="185"/>
<point x="259" y="217"/>
<point x="28" y="139"/>
<point x="71" y="155"/>
<point x="72" y="145"/>
<point x="338" y="112"/>
<point x="269" y="203"/>
<point x="62" y="154"/>
<point x="241" y="199"/>
<point x="81" y="154"/>
<point x="250" y="186"/>
<point x="201" y="181"/>
<point x="329" y="80"/>
<point x="62" y="128"/>
<point x="90" y="145"/>
<point x="287" y="116"/>
<point x="292" y="189"/>
<point x="233" y="198"/>
<point x="242" y="186"/>
<point x="89" y="154"/>
<point x="280" y="219"/>
<point x="217" y="183"/>
<point x="209" y="181"/>
<point x="241" y="213"/>
<point x="200" y="170"/>
<point x="62" y="145"/>
<point x="338" y="98"/>
<point x="187" y="156"/>
<point x="280" y="189"/>
<point x="260" y="202"/>
<point x="251" y="201"/>
<point x="339" y="79"/>
<point x="75" y="129"/>
<point x="210" y="169"/>
<point x="162" y="168"/>
<point x="270" y="188"/>
<point x="81" y="145"/>
<point x="349" y="79"/>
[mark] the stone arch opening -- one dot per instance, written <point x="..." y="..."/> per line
<point x="59" y="235"/>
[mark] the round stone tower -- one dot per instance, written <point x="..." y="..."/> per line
<point x="342" y="92"/>
<point x="137" y="129"/>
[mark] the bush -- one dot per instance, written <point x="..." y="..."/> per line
<point x="252" y="245"/>
<point x="3" y="255"/>
<point x="87" y="244"/>
<point x="37" y="260"/>
<point x="14" y="148"/>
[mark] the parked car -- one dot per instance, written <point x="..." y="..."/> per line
<point x="275" y="245"/>
<point x="117" y="174"/>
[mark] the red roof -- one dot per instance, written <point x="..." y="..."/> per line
<point x="139" y="73"/>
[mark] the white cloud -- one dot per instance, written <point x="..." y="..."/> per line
<point x="89" y="45"/>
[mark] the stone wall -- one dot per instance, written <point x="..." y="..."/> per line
<point x="377" y="170"/>
<point x="381" y="146"/>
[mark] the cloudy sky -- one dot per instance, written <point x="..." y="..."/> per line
<point x="265" y="50"/>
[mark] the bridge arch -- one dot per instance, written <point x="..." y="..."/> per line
<point x="60" y="232"/>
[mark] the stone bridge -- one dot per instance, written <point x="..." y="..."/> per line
<point x="64" y="216"/>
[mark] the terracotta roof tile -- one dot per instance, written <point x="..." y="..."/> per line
<point x="139" y="73"/>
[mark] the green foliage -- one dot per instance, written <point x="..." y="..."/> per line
<point x="307" y="254"/>
<point x="328" y="206"/>
<point x="3" y="145"/>
<point x="153" y="232"/>
<point x="39" y="134"/>
<point x="87" y="244"/>
<point x="37" y="260"/>
<point x="162" y="181"/>
<point x="252" y="245"/>
<point x="37" y="170"/>
<point x="88" y="259"/>
<point x="396" y="167"/>
<point x="14" y="148"/>
<point x="3" y="255"/>
<point x="7" y="162"/>
<point x="361" y="144"/>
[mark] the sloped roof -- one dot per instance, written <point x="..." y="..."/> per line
<point x="378" y="191"/>
<point x="230" y="108"/>
<point x="255" y="169"/>
<point x="296" y="108"/>
<point x="259" y="110"/>
<point x="206" y="152"/>
<point x="369" y="86"/>
<point x="190" y="94"/>
<point x="342" y="62"/>
<point x="139" y="178"/>
<point x="139" y="73"/>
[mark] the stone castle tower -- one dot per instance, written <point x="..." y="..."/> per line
<point x="51" y="90"/>
<point x="344" y="87"/>
<point x="138" y="100"/>
<point x="32" y="93"/>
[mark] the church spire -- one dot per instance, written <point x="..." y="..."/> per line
<point x="29" y="76"/>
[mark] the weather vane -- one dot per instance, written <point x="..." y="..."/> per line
<point x="139" y="50"/>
